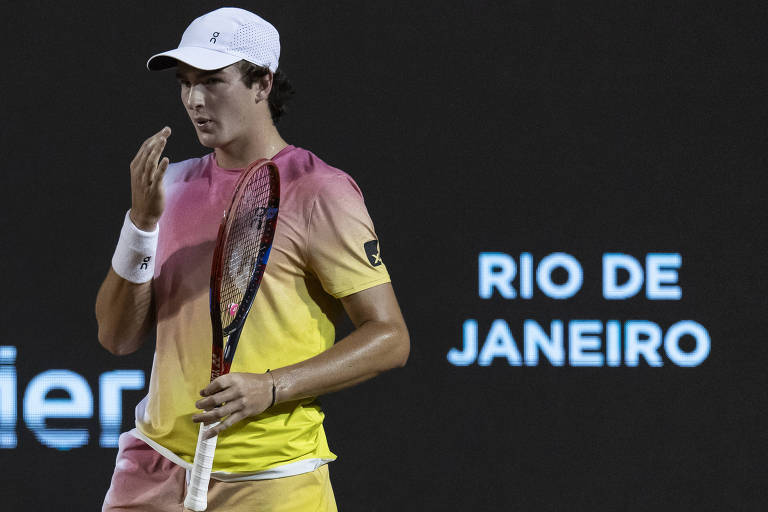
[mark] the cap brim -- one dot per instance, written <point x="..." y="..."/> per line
<point x="200" y="58"/>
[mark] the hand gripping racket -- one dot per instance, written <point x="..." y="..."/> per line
<point x="242" y="249"/>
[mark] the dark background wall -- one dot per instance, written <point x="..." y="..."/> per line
<point x="629" y="127"/>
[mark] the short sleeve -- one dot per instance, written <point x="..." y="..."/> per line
<point x="342" y="247"/>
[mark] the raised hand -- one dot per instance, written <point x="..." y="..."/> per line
<point x="147" y="195"/>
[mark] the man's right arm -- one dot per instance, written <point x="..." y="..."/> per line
<point x="124" y="309"/>
<point x="124" y="313"/>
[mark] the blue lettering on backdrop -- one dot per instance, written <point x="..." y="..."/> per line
<point x="111" y="385"/>
<point x="660" y="276"/>
<point x="672" y="343"/>
<point x="499" y="343"/>
<point x="626" y="343"/>
<point x="469" y="354"/>
<point x="643" y="340"/>
<point x="7" y="397"/>
<point x="38" y="407"/>
<point x="584" y="343"/>
<point x="537" y="340"/>
<point x="497" y="270"/>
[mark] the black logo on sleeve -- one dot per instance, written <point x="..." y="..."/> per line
<point x="373" y="253"/>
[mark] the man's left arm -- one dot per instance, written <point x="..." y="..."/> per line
<point x="379" y="342"/>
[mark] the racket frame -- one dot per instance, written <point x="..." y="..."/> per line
<point x="224" y="340"/>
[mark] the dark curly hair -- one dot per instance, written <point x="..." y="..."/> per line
<point x="281" y="92"/>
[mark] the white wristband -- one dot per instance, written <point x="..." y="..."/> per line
<point x="134" y="258"/>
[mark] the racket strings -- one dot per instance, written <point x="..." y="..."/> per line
<point x="241" y="255"/>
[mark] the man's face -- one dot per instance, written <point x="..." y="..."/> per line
<point x="218" y="103"/>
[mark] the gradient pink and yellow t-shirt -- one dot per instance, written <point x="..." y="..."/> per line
<point x="325" y="248"/>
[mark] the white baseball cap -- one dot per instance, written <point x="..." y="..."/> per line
<point x="223" y="37"/>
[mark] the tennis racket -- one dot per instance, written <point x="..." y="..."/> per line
<point x="242" y="249"/>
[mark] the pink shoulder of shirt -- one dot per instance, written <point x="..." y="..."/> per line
<point x="295" y="164"/>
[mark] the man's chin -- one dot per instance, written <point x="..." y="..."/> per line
<point x="206" y="140"/>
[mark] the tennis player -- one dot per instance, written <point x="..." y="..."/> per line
<point x="272" y="452"/>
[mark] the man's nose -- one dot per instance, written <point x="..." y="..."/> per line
<point x="194" y="97"/>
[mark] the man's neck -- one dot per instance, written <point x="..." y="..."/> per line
<point x="265" y="143"/>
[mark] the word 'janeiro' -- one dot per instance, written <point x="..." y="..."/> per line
<point x="590" y="343"/>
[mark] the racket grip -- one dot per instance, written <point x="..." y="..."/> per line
<point x="197" y="490"/>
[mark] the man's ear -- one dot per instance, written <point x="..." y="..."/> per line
<point x="263" y="86"/>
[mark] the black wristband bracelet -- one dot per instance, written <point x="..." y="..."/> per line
<point x="274" y="389"/>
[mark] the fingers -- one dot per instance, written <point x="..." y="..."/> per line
<point x="218" y="413"/>
<point x="162" y="134"/>
<point x="218" y="384"/>
<point x="216" y="400"/>
<point x="231" y="420"/>
<point x="218" y="392"/>
<point x="155" y="177"/>
<point x="151" y="166"/>
<point x="156" y="145"/>
<point x="142" y="152"/>
<point x="227" y="415"/>
<point x="144" y="155"/>
<point x="232" y="398"/>
<point x="161" y="169"/>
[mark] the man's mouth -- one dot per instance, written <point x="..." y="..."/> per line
<point x="202" y="121"/>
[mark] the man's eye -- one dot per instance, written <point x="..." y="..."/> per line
<point x="212" y="81"/>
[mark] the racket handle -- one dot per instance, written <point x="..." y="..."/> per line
<point x="197" y="490"/>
